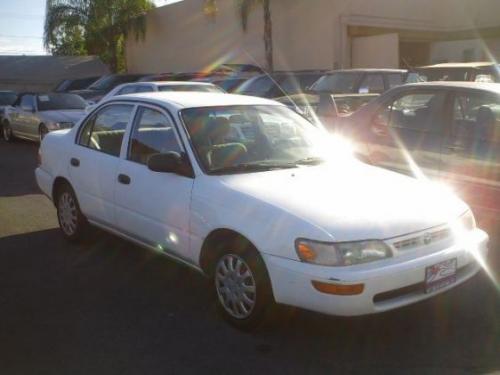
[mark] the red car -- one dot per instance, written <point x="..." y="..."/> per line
<point x="449" y="131"/>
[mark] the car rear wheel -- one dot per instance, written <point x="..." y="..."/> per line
<point x="242" y="286"/>
<point x="7" y="132"/>
<point x="72" y="222"/>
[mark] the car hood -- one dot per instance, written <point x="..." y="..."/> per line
<point x="68" y="115"/>
<point x="353" y="201"/>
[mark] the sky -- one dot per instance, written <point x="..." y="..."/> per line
<point x="21" y="26"/>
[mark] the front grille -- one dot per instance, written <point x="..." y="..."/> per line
<point x="423" y="239"/>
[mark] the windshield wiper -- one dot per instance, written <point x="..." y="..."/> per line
<point x="252" y="167"/>
<point x="312" y="160"/>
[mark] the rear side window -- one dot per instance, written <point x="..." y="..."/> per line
<point x="394" y="79"/>
<point x="104" y="131"/>
<point x="372" y="83"/>
<point x="153" y="133"/>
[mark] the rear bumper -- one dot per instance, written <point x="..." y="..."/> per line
<point x="44" y="181"/>
<point x="386" y="287"/>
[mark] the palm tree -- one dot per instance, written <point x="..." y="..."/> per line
<point x="104" y="25"/>
<point x="244" y="8"/>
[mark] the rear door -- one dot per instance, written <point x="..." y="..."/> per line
<point x="151" y="206"/>
<point x="408" y="130"/>
<point x="94" y="160"/>
<point x="471" y="156"/>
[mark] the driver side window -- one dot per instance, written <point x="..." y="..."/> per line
<point x="27" y="102"/>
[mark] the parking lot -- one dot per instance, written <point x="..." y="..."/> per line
<point x="108" y="307"/>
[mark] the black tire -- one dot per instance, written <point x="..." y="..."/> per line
<point x="73" y="224"/>
<point x="7" y="132"/>
<point x="42" y="132"/>
<point x="264" y="301"/>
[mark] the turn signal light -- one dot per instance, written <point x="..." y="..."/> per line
<point x="338" y="289"/>
<point x="305" y="252"/>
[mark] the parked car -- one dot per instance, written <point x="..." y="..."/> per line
<point x="359" y="81"/>
<point x="138" y="87"/>
<point x="341" y="92"/>
<point x="7" y="98"/>
<point x="33" y="115"/>
<point x="252" y="195"/>
<point x="68" y="85"/>
<point x="278" y="84"/>
<point x="229" y="84"/>
<point x="471" y="71"/>
<point x="447" y="130"/>
<point x="105" y="84"/>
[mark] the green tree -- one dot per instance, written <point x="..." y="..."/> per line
<point x="244" y="8"/>
<point x="96" y="27"/>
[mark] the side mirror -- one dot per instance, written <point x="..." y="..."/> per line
<point x="170" y="162"/>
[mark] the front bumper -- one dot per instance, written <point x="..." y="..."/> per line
<point x="387" y="285"/>
<point x="44" y="181"/>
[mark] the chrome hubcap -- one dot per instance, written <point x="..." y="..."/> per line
<point x="67" y="213"/>
<point x="235" y="286"/>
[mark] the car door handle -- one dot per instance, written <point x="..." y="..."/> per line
<point x="123" y="179"/>
<point x="75" y="162"/>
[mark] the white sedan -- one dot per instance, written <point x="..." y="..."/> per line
<point x="269" y="207"/>
<point x="161" y="86"/>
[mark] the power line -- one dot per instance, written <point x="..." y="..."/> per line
<point x="20" y="36"/>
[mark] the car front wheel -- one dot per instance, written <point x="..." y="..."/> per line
<point x="242" y="286"/>
<point x="71" y="220"/>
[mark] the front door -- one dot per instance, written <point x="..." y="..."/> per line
<point x="153" y="206"/>
<point x="471" y="156"/>
<point x="94" y="161"/>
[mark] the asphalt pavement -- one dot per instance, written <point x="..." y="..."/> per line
<point x="109" y="307"/>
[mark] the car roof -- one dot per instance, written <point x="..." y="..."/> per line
<point x="477" y="64"/>
<point x="486" y="86"/>
<point x="181" y="100"/>
<point x="367" y="70"/>
<point x="169" y="83"/>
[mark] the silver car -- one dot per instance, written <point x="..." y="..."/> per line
<point x="34" y="115"/>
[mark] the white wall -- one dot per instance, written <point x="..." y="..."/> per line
<point x="379" y="51"/>
<point x="450" y="51"/>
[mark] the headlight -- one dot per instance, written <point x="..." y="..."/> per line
<point x="464" y="223"/>
<point x="341" y="253"/>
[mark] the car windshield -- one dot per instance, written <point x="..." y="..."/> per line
<point x="7" y="98"/>
<point x="197" y="88"/>
<point x="49" y="102"/>
<point x="337" y="83"/>
<point x="249" y="138"/>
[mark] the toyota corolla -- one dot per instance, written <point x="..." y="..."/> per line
<point x="265" y="204"/>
